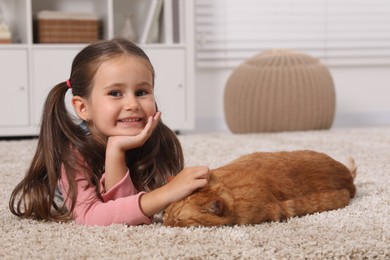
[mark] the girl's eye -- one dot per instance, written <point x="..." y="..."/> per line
<point x="141" y="93"/>
<point x="115" y="93"/>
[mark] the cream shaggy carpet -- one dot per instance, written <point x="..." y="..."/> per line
<point x="361" y="230"/>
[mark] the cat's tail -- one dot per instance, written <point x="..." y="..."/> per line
<point x="351" y="165"/>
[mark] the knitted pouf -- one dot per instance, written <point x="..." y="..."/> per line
<point x="279" y="90"/>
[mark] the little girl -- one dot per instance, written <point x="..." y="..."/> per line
<point x="112" y="167"/>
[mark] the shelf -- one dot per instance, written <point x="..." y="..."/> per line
<point x="20" y="15"/>
<point x="13" y="46"/>
<point x="59" y="46"/>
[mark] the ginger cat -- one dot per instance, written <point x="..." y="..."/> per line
<point x="266" y="186"/>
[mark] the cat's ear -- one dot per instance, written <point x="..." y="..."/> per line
<point x="215" y="207"/>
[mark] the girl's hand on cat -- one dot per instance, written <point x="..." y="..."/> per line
<point x="187" y="181"/>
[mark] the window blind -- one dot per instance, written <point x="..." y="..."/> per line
<point x="339" y="32"/>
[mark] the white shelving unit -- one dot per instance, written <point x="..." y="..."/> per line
<point x="28" y="70"/>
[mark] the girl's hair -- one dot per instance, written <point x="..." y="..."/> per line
<point x="60" y="136"/>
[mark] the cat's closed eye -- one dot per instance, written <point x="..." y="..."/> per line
<point x="215" y="207"/>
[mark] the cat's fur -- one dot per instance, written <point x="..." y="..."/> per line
<point x="266" y="186"/>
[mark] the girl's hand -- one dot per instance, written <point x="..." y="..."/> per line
<point x="185" y="183"/>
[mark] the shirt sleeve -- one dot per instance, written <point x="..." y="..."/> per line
<point x="119" y="205"/>
<point x="123" y="188"/>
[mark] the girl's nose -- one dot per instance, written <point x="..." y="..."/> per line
<point x="130" y="103"/>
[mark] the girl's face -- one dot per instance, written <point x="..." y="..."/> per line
<point x="122" y="97"/>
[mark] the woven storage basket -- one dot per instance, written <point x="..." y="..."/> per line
<point x="279" y="90"/>
<point x="59" y="27"/>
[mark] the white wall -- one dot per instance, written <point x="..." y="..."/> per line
<point x="363" y="97"/>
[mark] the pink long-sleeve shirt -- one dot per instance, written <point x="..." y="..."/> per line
<point x="119" y="205"/>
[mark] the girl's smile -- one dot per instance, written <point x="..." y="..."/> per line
<point x="131" y="122"/>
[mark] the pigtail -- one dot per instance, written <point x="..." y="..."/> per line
<point x="34" y="196"/>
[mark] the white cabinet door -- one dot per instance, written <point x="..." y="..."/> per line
<point x="14" y="100"/>
<point x="50" y="67"/>
<point x="170" y="87"/>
